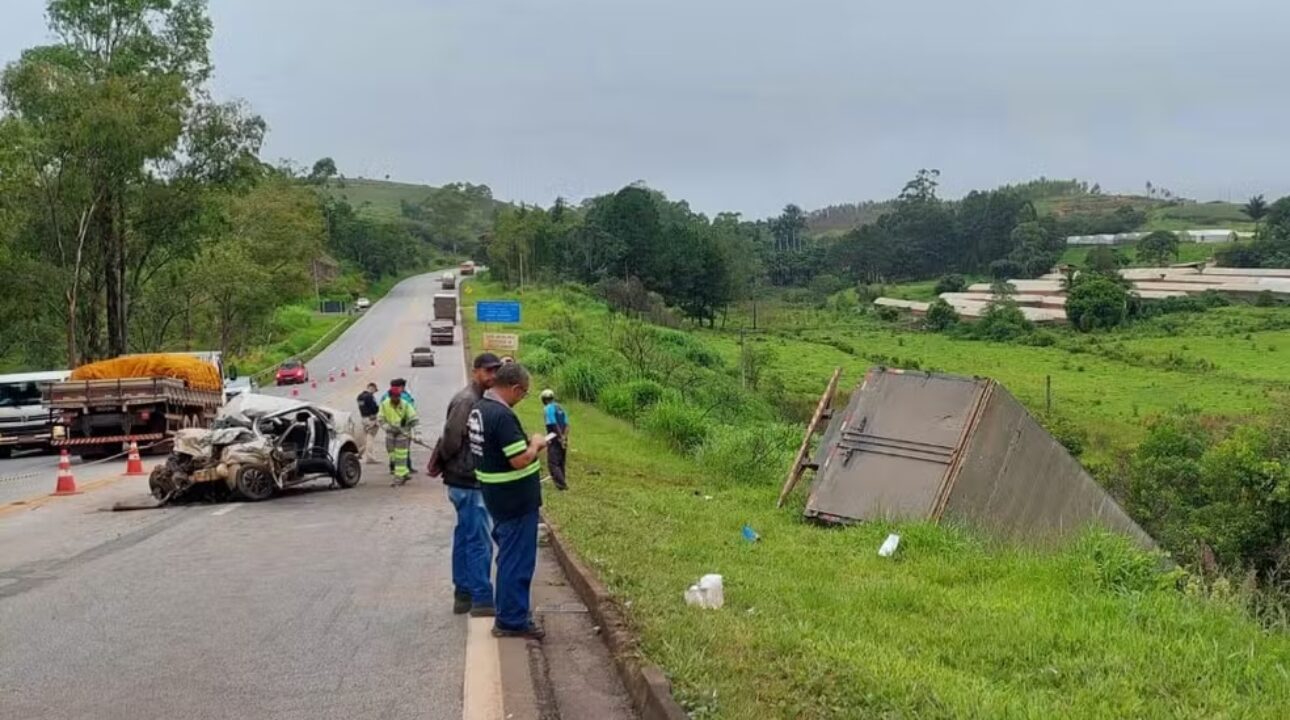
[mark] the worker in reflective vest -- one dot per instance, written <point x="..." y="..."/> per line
<point x="398" y="419"/>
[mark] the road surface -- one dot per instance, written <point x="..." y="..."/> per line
<point x="321" y="603"/>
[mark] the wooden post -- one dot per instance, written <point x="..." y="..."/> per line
<point x="1048" y="393"/>
<point x="799" y="462"/>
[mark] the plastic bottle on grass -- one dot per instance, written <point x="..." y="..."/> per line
<point x="714" y="594"/>
<point x="708" y="593"/>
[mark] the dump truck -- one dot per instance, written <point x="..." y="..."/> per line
<point x="467" y="268"/>
<point x="448" y="281"/>
<point x="141" y="398"/>
<point x="445" y="319"/>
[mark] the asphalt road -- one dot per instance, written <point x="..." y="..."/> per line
<point x="322" y="603"/>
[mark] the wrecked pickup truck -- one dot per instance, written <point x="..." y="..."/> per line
<point x="259" y="445"/>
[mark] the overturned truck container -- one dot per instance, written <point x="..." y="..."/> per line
<point x="925" y="446"/>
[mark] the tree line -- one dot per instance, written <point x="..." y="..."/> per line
<point x="701" y="265"/>
<point x="135" y="212"/>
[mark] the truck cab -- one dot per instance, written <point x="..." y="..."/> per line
<point x="25" y="421"/>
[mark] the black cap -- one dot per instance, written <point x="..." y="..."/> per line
<point x="399" y="382"/>
<point x="487" y="361"/>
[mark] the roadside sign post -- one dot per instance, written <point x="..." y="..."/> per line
<point x="505" y="312"/>
<point x="506" y="342"/>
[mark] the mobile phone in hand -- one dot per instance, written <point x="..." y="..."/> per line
<point x="550" y="437"/>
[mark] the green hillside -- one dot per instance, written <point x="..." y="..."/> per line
<point x="379" y="198"/>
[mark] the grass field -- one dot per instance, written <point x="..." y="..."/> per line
<point x="817" y="626"/>
<point x="379" y="198"/>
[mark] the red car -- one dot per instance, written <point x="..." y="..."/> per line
<point x="292" y="372"/>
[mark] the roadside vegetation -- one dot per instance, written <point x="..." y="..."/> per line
<point x="136" y="214"/>
<point x="681" y="438"/>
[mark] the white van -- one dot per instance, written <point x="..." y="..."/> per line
<point x="25" y="422"/>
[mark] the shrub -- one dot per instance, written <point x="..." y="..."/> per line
<point x="677" y="423"/>
<point x="291" y="317"/>
<point x="887" y="314"/>
<point x="1005" y="269"/>
<point x="541" y="361"/>
<point x="1201" y="490"/>
<point x="750" y="454"/>
<point x="628" y="400"/>
<point x="1097" y="302"/>
<point x="1071" y="436"/>
<point x="825" y="285"/>
<point x="583" y="378"/>
<point x="940" y="316"/>
<point x="1002" y="321"/>
<point x="951" y="283"/>
<point x="1265" y="299"/>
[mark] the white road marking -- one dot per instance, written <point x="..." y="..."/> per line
<point x="227" y="509"/>
<point x="481" y="694"/>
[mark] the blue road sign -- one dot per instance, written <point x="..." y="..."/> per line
<point x="498" y="311"/>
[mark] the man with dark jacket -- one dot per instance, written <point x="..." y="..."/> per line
<point x="368" y="409"/>
<point x="472" y="546"/>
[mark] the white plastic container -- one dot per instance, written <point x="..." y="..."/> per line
<point x="713" y="590"/>
<point x="708" y="593"/>
<point x="889" y="546"/>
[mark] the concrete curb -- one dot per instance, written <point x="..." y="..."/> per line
<point x="649" y="688"/>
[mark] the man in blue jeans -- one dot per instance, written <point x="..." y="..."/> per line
<point x="506" y="464"/>
<point x="472" y="548"/>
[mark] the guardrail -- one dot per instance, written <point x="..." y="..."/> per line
<point x="308" y="353"/>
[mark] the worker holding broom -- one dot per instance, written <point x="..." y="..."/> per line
<point x="398" y="418"/>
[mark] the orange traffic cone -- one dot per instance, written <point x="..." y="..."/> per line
<point x="66" y="483"/>
<point x="356" y="368"/>
<point x="134" y="463"/>
<point x="331" y="378"/>
<point x="295" y="392"/>
<point x="313" y="384"/>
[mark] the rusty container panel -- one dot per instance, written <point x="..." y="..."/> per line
<point x="1016" y="480"/>
<point x="887" y="455"/>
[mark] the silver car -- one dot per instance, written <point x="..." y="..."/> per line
<point x="422" y="356"/>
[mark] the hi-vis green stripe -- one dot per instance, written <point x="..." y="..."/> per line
<point x="515" y="448"/>
<point x="512" y="476"/>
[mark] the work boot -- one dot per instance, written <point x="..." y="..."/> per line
<point x="483" y="610"/>
<point x="532" y="632"/>
<point x="461" y="603"/>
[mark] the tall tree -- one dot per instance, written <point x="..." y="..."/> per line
<point x="111" y="99"/>
<point x="789" y="229"/>
<point x="323" y="170"/>
<point x="1255" y="208"/>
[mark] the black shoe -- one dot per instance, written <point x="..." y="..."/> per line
<point x="482" y="610"/>
<point x="533" y="632"/>
<point x="460" y="603"/>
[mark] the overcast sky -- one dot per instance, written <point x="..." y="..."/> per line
<point x="749" y="104"/>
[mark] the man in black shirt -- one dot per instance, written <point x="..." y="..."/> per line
<point x="368" y="408"/>
<point x="472" y="549"/>
<point x="506" y="464"/>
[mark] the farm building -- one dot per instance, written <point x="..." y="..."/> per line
<point x="1044" y="300"/>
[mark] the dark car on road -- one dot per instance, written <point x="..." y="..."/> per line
<point x="292" y="372"/>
